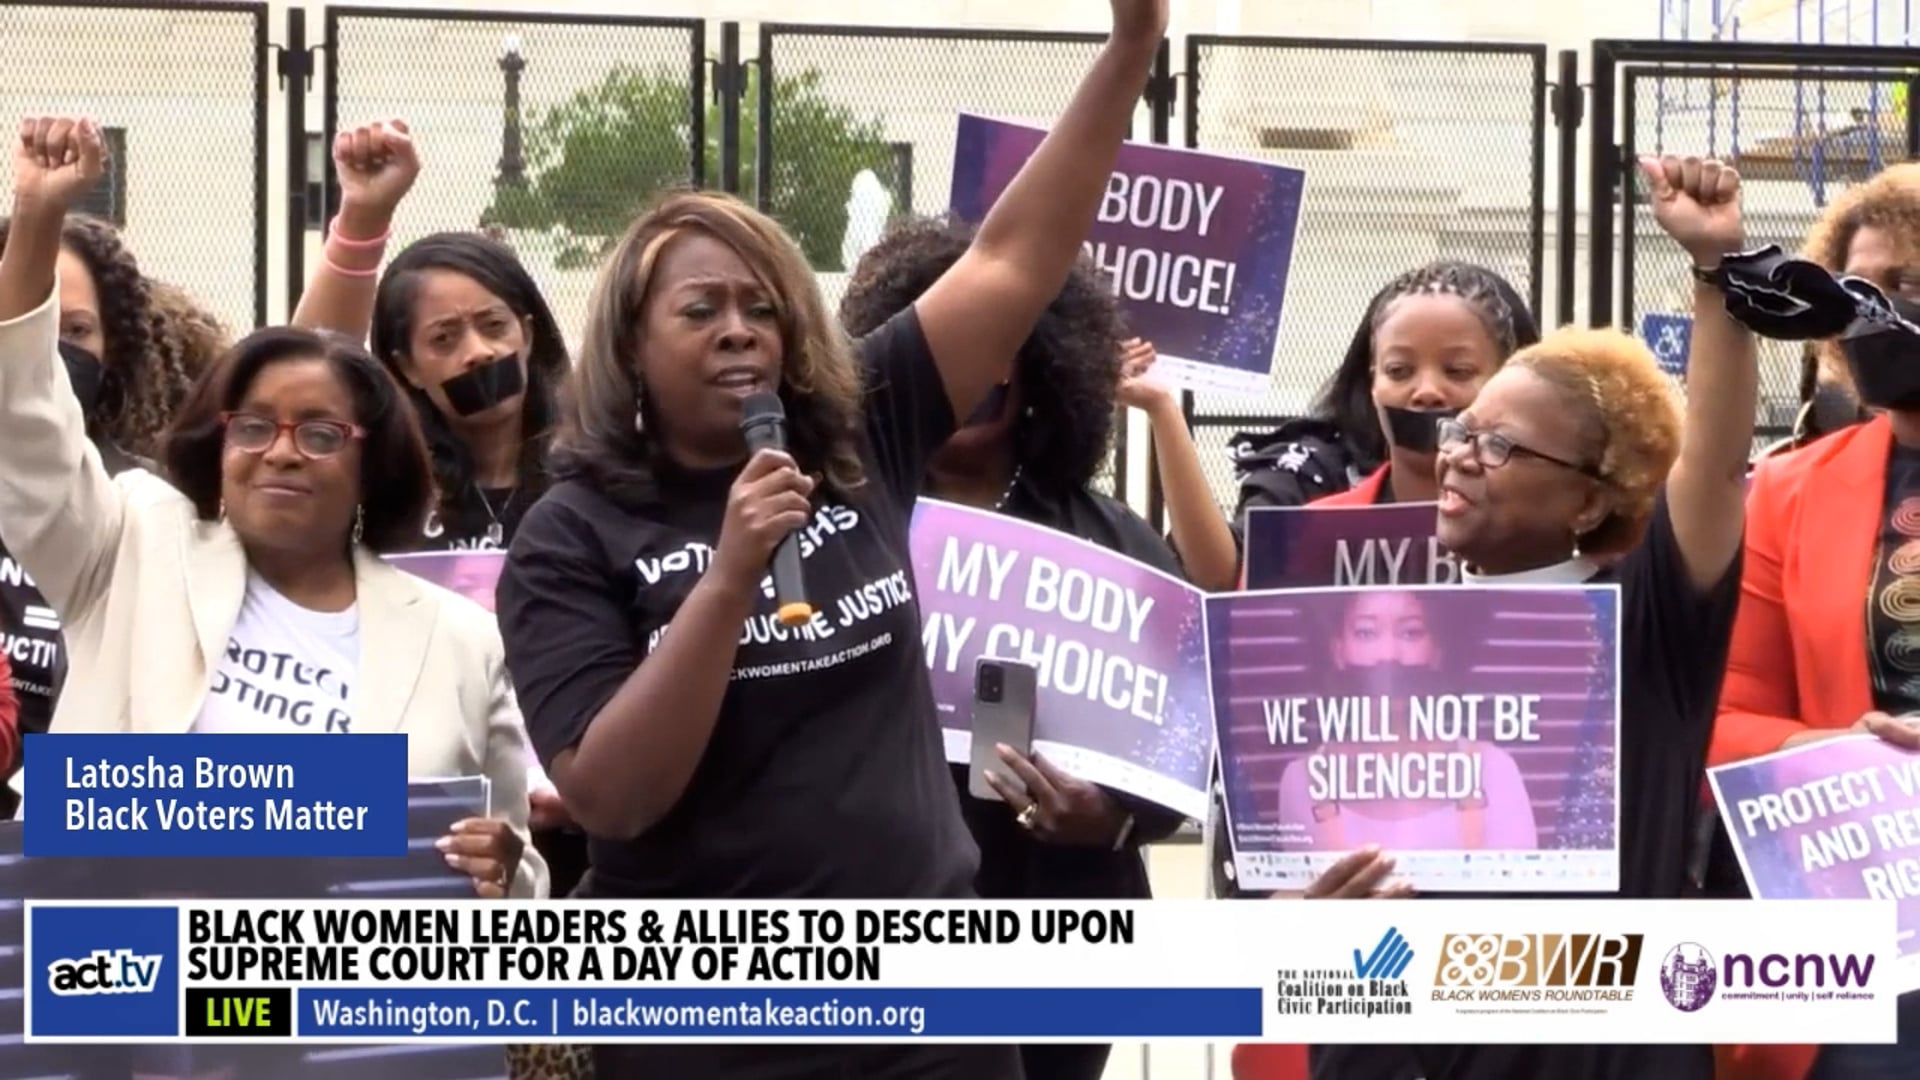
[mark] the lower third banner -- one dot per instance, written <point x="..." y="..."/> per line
<point x="255" y="972"/>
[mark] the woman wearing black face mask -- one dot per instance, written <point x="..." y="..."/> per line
<point x="1429" y="341"/>
<point x="1832" y="565"/>
<point x="128" y="390"/>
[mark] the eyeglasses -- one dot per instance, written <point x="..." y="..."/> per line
<point x="253" y="434"/>
<point x="1493" y="450"/>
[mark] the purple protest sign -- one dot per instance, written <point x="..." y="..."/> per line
<point x="472" y="574"/>
<point x="1837" y="819"/>
<point x="1471" y="732"/>
<point x="1198" y="246"/>
<point x="1307" y="547"/>
<point x="1119" y="646"/>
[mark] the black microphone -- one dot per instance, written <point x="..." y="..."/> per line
<point x="763" y="420"/>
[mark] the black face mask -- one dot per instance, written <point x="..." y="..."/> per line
<point x="1416" y="430"/>
<point x="85" y="372"/>
<point x="485" y="385"/>
<point x="1884" y="358"/>
<point x="1831" y="409"/>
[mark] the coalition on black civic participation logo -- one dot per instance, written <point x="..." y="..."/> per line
<point x="1374" y="985"/>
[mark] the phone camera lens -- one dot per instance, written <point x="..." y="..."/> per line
<point x="992" y="684"/>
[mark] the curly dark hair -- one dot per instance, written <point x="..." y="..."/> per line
<point x="496" y="269"/>
<point x="396" y="481"/>
<point x="820" y="380"/>
<point x="1888" y="201"/>
<point x="140" y="386"/>
<point x="1347" y="398"/>
<point x="1068" y="368"/>
<point x="185" y="334"/>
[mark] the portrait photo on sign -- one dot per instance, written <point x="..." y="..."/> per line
<point x="1470" y="732"/>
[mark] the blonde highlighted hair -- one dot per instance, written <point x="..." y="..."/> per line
<point x="1629" y="417"/>
<point x="820" y="382"/>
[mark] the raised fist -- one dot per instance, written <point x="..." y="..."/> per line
<point x="55" y="160"/>
<point x="376" y="164"/>
<point x="1698" y="203"/>
<point x="1139" y="20"/>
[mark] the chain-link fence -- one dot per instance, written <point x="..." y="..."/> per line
<point x="180" y="92"/>
<point x="1413" y="151"/>
<point x="830" y="103"/>
<point x="551" y="131"/>
<point x="1798" y="137"/>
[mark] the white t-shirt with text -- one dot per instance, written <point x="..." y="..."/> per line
<point x="287" y="669"/>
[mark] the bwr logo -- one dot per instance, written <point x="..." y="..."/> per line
<point x="1539" y="960"/>
<point x="104" y="972"/>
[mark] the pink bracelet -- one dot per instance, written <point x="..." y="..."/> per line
<point x="343" y="271"/>
<point x="334" y="237"/>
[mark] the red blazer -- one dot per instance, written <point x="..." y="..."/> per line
<point x="1798" y="660"/>
<point x="1364" y="493"/>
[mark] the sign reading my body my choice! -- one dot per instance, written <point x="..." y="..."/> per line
<point x="1837" y="819"/>
<point x="216" y="795"/>
<point x="1119" y="646"/>
<point x="1198" y="246"/>
<point x="1473" y="732"/>
<point x="1311" y="547"/>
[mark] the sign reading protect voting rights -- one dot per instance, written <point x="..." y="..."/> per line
<point x="1120" y="648"/>
<point x="1472" y="732"/>
<point x="1837" y="819"/>
<point x="1197" y="245"/>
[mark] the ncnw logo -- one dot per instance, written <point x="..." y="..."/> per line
<point x="1806" y="970"/>
<point x="102" y="972"/>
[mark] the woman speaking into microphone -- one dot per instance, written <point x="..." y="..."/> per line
<point x="709" y="749"/>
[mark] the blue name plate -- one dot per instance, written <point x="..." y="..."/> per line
<point x="215" y="795"/>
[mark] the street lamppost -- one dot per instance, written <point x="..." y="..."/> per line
<point x="513" y="163"/>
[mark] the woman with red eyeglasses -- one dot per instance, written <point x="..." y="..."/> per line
<point x="248" y="592"/>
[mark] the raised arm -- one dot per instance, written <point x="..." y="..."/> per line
<point x="376" y="164"/>
<point x="1201" y="536"/>
<point x="60" y="513"/>
<point x="1698" y="204"/>
<point x="978" y="314"/>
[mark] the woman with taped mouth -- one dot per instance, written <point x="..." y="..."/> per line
<point x="711" y="750"/>
<point x="244" y="592"/>
<point x="1031" y="450"/>
<point x="460" y="322"/>
<point x="1569" y="468"/>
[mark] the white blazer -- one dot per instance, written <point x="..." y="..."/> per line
<point x="148" y="593"/>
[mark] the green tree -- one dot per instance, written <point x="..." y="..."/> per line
<point x="596" y="159"/>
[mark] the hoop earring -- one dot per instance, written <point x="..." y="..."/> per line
<point x="359" y="523"/>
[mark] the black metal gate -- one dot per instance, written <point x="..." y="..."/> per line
<point x="583" y="118"/>
<point x="1800" y="122"/>
<point x="180" y="91"/>
<point x="1413" y="150"/>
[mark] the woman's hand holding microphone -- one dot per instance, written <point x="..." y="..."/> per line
<point x="770" y="499"/>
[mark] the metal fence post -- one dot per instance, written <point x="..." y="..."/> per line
<point x="296" y="78"/>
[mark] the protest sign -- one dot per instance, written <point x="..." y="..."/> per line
<point x="1120" y="649"/>
<point x="1471" y="732"/>
<point x="472" y="574"/>
<point x="1311" y="547"/>
<point x="1198" y="246"/>
<point x="1837" y="819"/>
<point x="432" y="808"/>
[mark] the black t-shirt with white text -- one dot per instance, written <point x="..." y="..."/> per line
<point x="480" y="519"/>
<point x="825" y="776"/>
<point x="1673" y="646"/>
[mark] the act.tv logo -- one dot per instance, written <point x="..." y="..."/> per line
<point x="1546" y="968"/>
<point x="102" y="971"/>
<point x="1691" y="977"/>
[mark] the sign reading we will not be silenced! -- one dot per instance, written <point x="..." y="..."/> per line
<point x="1119" y="647"/>
<point x="1198" y="246"/>
<point x="1837" y="819"/>
<point x="1471" y="731"/>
